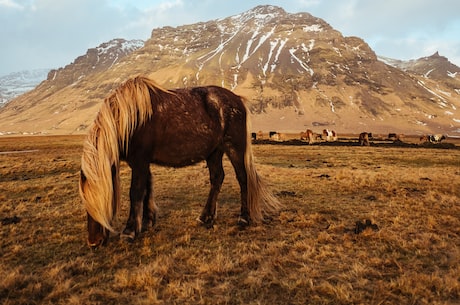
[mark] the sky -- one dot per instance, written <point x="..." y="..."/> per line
<point x="50" y="34"/>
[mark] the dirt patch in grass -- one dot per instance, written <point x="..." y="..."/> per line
<point x="310" y="253"/>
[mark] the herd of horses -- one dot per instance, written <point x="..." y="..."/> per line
<point x="436" y="138"/>
<point x="364" y="138"/>
<point x="142" y="124"/>
<point x="308" y="135"/>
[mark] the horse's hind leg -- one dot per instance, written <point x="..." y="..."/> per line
<point x="237" y="159"/>
<point x="150" y="209"/>
<point x="216" y="176"/>
<point x="140" y="176"/>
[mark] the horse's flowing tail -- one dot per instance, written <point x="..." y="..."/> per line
<point x="261" y="200"/>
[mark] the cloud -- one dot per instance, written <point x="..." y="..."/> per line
<point x="51" y="34"/>
<point x="10" y="4"/>
<point x="406" y="29"/>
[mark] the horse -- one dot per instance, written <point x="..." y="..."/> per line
<point x="279" y="137"/>
<point x="142" y="124"/>
<point x="364" y="139"/>
<point x="396" y="137"/>
<point x="308" y="136"/>
<point x="330" y="135"/>
<point x="260" y="135"/>
<point x="303" y="135"/>
<point x="423" y="138"/>
<point x="436" y="138"/>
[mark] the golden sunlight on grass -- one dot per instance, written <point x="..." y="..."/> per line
<point x="407" y="201"/>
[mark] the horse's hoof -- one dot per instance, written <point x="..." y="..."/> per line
<point x="128" y="236"/>
<point x="199" y="220"/>
<point x="243" y="223"/>
<point x="147" y="225"/>
<point x="207" y="222"/>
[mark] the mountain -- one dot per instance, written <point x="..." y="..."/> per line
<point x="296" y="71"/>
<point x="96" y="60"/>
<point x="14" y="84"/>
<point x="435" y="67"/>
<point x="51" y="107"/>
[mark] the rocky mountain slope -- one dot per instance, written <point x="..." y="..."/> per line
<point x="295" y="69"/>
<point x="435" y="67"/>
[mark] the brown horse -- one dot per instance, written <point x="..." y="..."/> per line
<point x="141" y="124"/>
<point x="364" y="139"/>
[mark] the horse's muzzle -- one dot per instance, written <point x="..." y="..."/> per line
<point x="99" y="240"/>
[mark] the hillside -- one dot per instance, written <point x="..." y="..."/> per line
<point x="295" y="69"/>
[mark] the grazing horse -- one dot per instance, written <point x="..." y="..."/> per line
<point x="308" y="136"/>
<point x="303" y="135"/>
<point x="141" y="124"/>
<point x="364" y="139"/>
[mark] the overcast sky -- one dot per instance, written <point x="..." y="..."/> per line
<point x="52" y="33"/>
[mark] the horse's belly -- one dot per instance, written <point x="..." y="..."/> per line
<point x="178" y="153"/>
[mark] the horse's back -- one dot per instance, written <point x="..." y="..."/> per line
<point x="187" y="125"/>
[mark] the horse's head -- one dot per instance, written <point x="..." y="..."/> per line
<point x="97" y="234"/>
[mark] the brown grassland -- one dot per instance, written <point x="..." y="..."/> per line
<point x="309" y="253"/>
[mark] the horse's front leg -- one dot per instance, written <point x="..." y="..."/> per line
<point x="216" y="175"/>
<point x="150" y="208"/>
<point x="139" y="177"/>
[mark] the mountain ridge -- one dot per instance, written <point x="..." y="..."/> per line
<point x="296" y="71"/>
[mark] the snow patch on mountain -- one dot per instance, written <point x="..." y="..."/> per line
<point x="17" y="83"/>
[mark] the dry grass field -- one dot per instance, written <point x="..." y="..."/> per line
<point x="312" y="252"/>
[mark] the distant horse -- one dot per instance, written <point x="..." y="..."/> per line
<point x="423" y="139"/>
<point x="364" y="139"/>
<point x="308" y="136"/>
<point x="395" y="137"/>
<point x="260" y="135"/>
<point x="279" y="137"/>
<point x="436" y="138"/>
<point x="142" y="123"/>
<point x="329" y="135"/>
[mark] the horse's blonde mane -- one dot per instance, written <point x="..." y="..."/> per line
<point x="128" y="107"/>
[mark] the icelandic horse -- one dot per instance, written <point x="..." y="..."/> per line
<point x="307" y="135"/>
<point x="363" y="139"/>
<point x="330" y="135"/>
<point x="143" y="124"/>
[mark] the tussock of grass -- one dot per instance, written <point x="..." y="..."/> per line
<point x="307" y="254"/>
